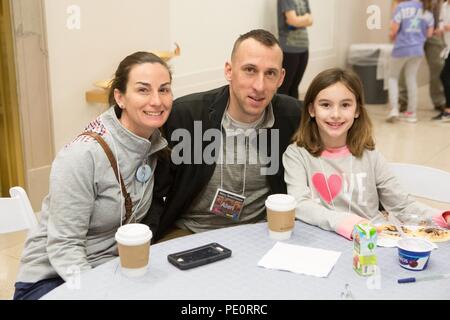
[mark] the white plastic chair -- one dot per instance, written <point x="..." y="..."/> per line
<point x="422" y="181"/>
<point x="16" y="213"/>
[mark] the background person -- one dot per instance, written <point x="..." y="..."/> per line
<point x="412" y="23"/>
<point x="433" y="48"/>
<point x="294" y="16"/>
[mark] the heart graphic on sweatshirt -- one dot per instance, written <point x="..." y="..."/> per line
<point x="334" y="184"/>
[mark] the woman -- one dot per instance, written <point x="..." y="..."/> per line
<point x="92" y="194"/>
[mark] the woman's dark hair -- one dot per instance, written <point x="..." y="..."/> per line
<point x="123" y="71"/>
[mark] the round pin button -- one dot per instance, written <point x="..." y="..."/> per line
<point x="143" y="173"/>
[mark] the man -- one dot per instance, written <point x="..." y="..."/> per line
<point x="227" y="144"/>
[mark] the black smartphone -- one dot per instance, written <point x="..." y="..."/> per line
<point x="199" y="256"/>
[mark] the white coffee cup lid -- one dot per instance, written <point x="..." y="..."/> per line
<point x="133" y="234"/>
<point x="280" y="202"/>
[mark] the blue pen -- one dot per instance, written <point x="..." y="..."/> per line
<point x="424" y="278"/>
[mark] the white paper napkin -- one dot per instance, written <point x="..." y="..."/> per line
<point x="299" y="259"/>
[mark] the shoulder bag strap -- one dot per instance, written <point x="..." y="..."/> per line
<point x="112" y="160"/>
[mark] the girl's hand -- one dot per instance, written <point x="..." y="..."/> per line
<point x="379" y="228"/>
<point x="446" y="216"/>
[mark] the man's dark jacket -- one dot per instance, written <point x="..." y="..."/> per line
<point x="181" y="184"/>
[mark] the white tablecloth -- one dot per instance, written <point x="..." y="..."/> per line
<point x="239" y="277"/>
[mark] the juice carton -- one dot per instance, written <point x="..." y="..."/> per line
<point x="364" y="245"/>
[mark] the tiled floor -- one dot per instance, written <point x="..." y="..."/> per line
<point x="426" y="142"/>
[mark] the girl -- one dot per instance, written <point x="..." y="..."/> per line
<point x="333" y="169"/>
<point x="294" y="16"/>
<point x="85" y="207"/>
<point x="411" y="24"/>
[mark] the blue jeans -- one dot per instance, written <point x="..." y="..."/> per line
<point x="33" y="291"/>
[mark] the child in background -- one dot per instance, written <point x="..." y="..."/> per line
<point x="411" y="24"/>
<point x="333" y="170"/>
<point x="444" y="25"/>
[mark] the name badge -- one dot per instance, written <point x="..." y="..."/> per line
<point x="227" y="204"/>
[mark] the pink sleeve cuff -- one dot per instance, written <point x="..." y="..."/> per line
<point x="440" y="219"/>
<point x="345" y="228"/>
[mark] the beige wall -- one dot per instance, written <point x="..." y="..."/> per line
<point x="110" y="29"/>
<point x="205" y="30"/>
<point x="338" y="23"/>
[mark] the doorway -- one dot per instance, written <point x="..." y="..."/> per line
<point x="11" y="152"/>
<point x="26" y="129"/>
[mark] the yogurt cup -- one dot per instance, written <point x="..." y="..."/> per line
<point x="414" y="253"/>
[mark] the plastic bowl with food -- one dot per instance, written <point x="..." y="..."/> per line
<point x="414" y="253"/>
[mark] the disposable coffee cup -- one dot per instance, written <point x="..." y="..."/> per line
<point x="280" y="216"/>
<point x="133" y="241"/>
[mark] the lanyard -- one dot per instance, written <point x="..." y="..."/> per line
<point x="222" y="158"/>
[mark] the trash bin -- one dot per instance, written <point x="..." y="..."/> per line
<point x="364" y="59"/>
